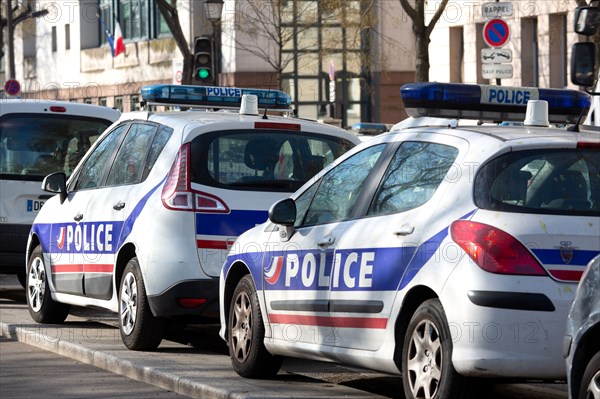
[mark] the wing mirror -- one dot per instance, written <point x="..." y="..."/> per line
<point x="56" y="183"/>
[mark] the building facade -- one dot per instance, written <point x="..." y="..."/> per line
<point x="344" y="60"/>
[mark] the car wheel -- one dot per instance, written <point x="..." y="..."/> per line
<point x="140" y="329"/>
<point x="42" y="307"/>
<point x="590" y="383"/>
<point x="22" y="278"/>
<point x="246" y="333"/>
<point x="427" y="370"/>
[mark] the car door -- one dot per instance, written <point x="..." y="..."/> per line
<point x="113" y="209"/>
<point x="299" y="271"/>
<point x="70" y="234"/>
<point x="380" y="246"/>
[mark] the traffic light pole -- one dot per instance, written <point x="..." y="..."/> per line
<point x="216" y="25"/>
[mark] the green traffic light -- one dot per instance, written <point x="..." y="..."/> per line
<point x="203" y="73"/>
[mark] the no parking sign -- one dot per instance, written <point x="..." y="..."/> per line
<point x="12" y="87"/>
<point x="496" y="33"/>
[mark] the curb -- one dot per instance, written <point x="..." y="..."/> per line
<point x="105" y="361"/>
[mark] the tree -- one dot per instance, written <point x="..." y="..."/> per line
<point x="168" y="9"/>
<point x="422" y="33"/>
<point x="261" y="25"/>
<point x="15" y="15"/>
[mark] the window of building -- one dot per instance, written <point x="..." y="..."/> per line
<point x="67" y="36"/>
<point x="102" y="101"/>
<point x="54" y="40"/>
<point x="558" y="50"/>
<point x="87" y="100"/>
<point x="324" y="39"/>
<point x="135" y="103"/>
<point x="139" y="19"/>
<point x="529" y="52"/>
<point x="119" y="103"/>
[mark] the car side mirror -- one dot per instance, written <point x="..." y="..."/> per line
<point x="56" y="183"/>
<point x="583" y="57"/>
<point x="283" y="212"/>
<point x="587" y="20"/>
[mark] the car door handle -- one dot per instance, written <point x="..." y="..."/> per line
<point x="119" y="205"/>
<point x="78" y="217"/>
<point x="404" y="230"/>
<point x="326" y="241"/>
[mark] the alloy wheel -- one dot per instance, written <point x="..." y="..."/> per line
<point x="128" y="303"/>
<point x="241" y="331"/>
<point x="36" y="284"/>
<point x="425" y="360"/>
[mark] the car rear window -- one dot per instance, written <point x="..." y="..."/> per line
<point x="35" y="145"/>
<point x="562" y="182"/>
<point x="262" y="160"/>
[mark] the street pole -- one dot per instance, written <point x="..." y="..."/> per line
<point x="11" y="40"/>
<point x="216" y="25"/>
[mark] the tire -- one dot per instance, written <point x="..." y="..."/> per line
<point x="427" y="370"/>
<point x="140" y="329"/>
<point x="590" y="383"/>
<point x="42" y="307"/>
<point x="22" y="277"/>
<point x="246" y="334"/>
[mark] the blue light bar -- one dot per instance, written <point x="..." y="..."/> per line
<point x="213" y="97"/>
<point x="490" y="103"/>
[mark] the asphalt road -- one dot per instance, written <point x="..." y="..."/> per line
<point x="29" y="372"/>
<point x="192" y="362"/>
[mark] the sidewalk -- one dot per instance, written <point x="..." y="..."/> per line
<point x="176" y="367"/>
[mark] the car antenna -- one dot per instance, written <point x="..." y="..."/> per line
<point x="270" y="82"/>
<point x="575" y="127"/>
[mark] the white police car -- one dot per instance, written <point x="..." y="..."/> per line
<point x="38" y="137"/>
<point x="439" y="252"/>
<point x="143" y="225"/>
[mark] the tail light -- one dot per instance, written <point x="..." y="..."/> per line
<point x="177" y="193"/>
<point x="494" y="250"/>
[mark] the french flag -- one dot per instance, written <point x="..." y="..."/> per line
<point x="117" y="46"/>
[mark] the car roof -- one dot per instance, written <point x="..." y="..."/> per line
<point x="511" y="134"/>
<point x="12" y="106"/>
<point x="202" y="118"/>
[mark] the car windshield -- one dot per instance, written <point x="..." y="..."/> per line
<point x="35" y="145"/>
<point x="262" y="160"/>
<point x="542" y="181"/>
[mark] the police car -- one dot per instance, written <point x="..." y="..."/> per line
<point x="143" y="225"/>
<point x="440" y="252"/>
<point x="38" y="137"/>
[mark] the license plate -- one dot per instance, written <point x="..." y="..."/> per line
<point x="34" y="205"/>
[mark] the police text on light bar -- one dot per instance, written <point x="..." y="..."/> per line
<point x="490" y="103"/>
<point x="213" y="97"/>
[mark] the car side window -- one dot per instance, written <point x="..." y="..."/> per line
<point x="92" y="171"/>
<point x="339" y="189"/>
<point x="412" y="177"/>
<point x="160" y="140"/>
<point x="129" y="163"/>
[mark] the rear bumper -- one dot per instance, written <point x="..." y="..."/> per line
<point x="13" y="244"/>
<point x="168" y="304"/>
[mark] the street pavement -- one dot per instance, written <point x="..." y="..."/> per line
<point x="195" y="363"/>
<point x="29" y="372"/>
<point x="189" y="371"/>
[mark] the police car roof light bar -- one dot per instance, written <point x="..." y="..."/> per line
<point x="490" y="103"/>
<point x="213" y="97"/>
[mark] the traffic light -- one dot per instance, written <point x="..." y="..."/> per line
<point x="204" y="68"/>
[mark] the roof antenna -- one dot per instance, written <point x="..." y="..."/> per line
<point x="270" y="82"/>
<point x="575" y="127"/>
